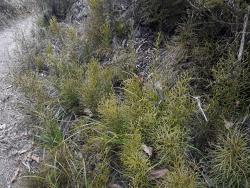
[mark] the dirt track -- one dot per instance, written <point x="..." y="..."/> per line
<point x="14" y="136"/>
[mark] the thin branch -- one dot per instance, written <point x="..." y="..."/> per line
<point x="200" y="107"/>
<point x="242" y="43"/>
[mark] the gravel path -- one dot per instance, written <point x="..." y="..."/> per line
<point x="15" y="143"/>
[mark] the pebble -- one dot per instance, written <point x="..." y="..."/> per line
<point x="3" y="126"/>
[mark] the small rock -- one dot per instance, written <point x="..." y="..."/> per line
<point x="157" y="174"/>
<point x="114" y="186"/>
<point x="35" y="158"/>
<point x="3" y="126"/>
<point x="147" y="150"/>
<point x="10" y="86"/>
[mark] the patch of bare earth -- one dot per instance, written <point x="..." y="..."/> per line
<point x="15" y="139"/>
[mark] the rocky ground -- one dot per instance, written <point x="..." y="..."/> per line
<point x="11" y="9"/>
<point x="15" y="140"/>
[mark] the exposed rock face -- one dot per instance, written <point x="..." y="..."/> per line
<point x="79" y="12"/>
<point x="6" y="12"/>
<point x="58" y="8"/>
<point x="73" y="11"/>
<point x="10" y="9"/>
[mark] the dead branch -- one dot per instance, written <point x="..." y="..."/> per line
<point x="242" y="43"/>
<point x="200" y="107"/>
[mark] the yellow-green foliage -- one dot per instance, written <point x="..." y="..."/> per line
<point x="179" y="177"/>
<point x="96" y="6"/>
<point x="96" y="85"/>
<point x="230" y="160"/>
<point x="53" y="26"/>
<point x="51" y="135"/>
<point x="79" y="86"/>
<point x="69" y="96"/>
<point x="104" y="124"/>
<point x="39" y="63"/>
<point x="121" y="28"/>
<point x="101" y="178"/>
<point x="177" y="98"/>
<point x="99" y="31"/>
<point x="164" y="127"/>
<point x="138" y="106"/>
<point x="105" y="32"/>
<point x="136" y="111"/>
<point x="96" y="152"/>
<point x="133" y="90"/>
<point x="124" y="61"/>
<point x="135" y="163"/>
<point x="32" y="86"/>
<point x="141" y="114"/>
<point x="99" y="161"/>
<point x="79" y="89"/>
<point x="226" y="88"/>
<point x="111" y="114"/>
<point x="57" y="171"/>
<point x="72" y="44"/>
<point x="68" y="43"/>
<point x="170" y="141"/>
<point x="170" y="135"/>
<point x="230" y="95"/>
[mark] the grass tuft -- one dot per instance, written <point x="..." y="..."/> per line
<point x="230" y="159"/>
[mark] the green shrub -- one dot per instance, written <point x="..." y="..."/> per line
<point x="53" y="25"/>
<point x="81" y="89"/>
<point x="111" y="112"/>
<point x="105" y="32"/>
<point x="99" y="33"/>
<point x="135" y="162"/>
<point x="181" y="176"/>
<point x="112" y="115"/>
<point x="96" y="152"/>
<point x="230" y="159"/>
<point x="170" y="142"/>
<point x="170" y="135"/>
<point x="57" y="171"/>
<point x="121" y="29"/>
<point x="139" y="106"/>
<point x="32" y="86"/>
<point x="51" y="135"/>
<point x="97" y="84"/>
<point x="165" y="129"/>
<point x="39" y="63"/>
<point x="69" y="96"/>
<point x="230" y="96"/>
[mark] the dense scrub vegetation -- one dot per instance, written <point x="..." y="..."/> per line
<point x="180" y="120"/>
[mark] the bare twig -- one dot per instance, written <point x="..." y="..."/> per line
<point x="197" y="98"/>
<point x="242" y="43"/>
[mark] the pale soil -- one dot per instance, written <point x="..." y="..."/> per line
<point x="15" y="139"/>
